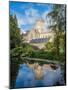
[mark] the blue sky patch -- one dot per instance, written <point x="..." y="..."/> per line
<point x="27" y="13"/>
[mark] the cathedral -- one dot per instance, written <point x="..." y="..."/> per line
<point x="38" y="36"/>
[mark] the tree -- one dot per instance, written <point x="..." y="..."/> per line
<point x="15" y="49"/>
<point x="57" y="19"/>
<point x="49" y="46"/>
<point x="15" y="37"/>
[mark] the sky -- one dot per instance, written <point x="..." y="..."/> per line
<point x="27" y="13"/>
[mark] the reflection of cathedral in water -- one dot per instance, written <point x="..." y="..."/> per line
<point x="38" y="36"/>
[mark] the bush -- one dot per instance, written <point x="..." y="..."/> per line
<point x="16" y="52"/>
<point x="43" y="55"/>
<point x="49" y="45"/>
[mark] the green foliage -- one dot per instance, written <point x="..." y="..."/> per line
<point x="16" y="52"/>
<point x="28" y="48"/>
<point x="49" y="46"/>
<point x="43" y="55"/>
<point x="15" y="37"/>
<point x="15" y="49"/>
<point x="57" y="21"/>
<point x="24" y="50"/>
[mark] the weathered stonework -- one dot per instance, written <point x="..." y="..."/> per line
<point x="38" y="33"/>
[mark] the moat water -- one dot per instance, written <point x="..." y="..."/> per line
<point x="26" y="77"/>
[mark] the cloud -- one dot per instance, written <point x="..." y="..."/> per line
<point x="29" y="17"/>
<point x="44" y="16"/>
<point x="18" y="15"/>
<point x="32" y="12"/>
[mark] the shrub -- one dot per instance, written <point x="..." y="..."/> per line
<point x="49" y="45"/>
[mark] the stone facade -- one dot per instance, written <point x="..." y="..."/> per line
<point x="38" y="34"/>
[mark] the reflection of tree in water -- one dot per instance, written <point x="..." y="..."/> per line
<point x="14" y="67"/>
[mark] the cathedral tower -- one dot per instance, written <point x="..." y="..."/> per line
<point x="39" y="25"/>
